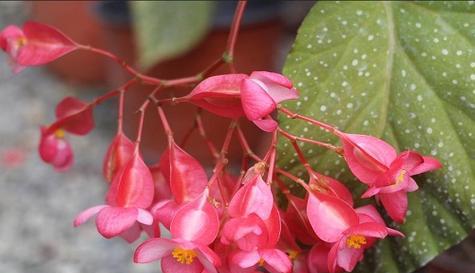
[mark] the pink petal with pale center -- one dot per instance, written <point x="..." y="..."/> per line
<point x="82" y="217"/>
<point x="254" y="197"/>
<point x="196" y="221"/>
<point x="118" y="154"/>
<point x="132" y="186"/>
<point x="246" y="259"/>
<point x="256" y="102"/>
<point x="278" y="87"/>
<point x="153" y="249"/>
<point x="111" y="221"/>
<point x="277" y="259"/>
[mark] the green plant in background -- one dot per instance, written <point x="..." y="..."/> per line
<point x="406" y="72"/>
<point x="165" y="29"/>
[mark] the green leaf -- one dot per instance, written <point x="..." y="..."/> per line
<point x="404" y="71"/>
<point x="165" y="29"/>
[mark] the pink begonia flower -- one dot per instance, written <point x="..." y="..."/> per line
<point x="35" y="44"/>
<point x="72" y="116"/>
<point x="260" y="95"/>
<point x="388" y="175"/>
<point x="194" y="227"/>
<point x="252" y="212"/>
<point x="130" y="194"/>
<point x="255" y="196"/>
<point x="220" y="95"/>
<point x="177" y="166"/>
<point x="336" y="222"/>
<point x="265" y="254"/>
<point x="55" y="150"/>
<point x="118" y="154"/>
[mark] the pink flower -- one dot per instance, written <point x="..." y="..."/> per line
<point x="254" y="197"/>
<point x="35" y="44"/>
<point x="73" y="116"/>
<point x="193" y="228"/>
<point x="119" y="153"/>
<point x="130" y="194"/>
<point x="177" y="166"/>
<point x="260" y="94"/>
<point x="388" y="175"/>
<point x="336" y="222"/>
<point x="274" y="260"/>
<point x="220" y="95"/>
<point x="55" y="150"/>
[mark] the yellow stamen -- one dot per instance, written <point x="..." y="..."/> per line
<point x="184" y="256"/>
<point x="355" y="241"/>
<point x="293" y="254"/>
<point x="21" y="42"/>
<point x="261" y="262"/>
<point x="59" y="133"/>
<point x="400" y="177"/>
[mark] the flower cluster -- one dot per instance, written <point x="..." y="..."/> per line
<point x="227" y="223"/>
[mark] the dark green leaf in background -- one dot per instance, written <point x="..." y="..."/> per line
<point x="165" y="29"/>
<point x="404" y="71"/>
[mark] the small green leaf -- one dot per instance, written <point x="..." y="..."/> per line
<point x="403" y="71"/>
<point x="165" y="29"/>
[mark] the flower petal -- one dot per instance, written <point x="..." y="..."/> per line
<point x="245" y="259"/>
<point x="177" y="167"/>
<point x="266" y="124"/>
<point x="132" y="186"/>
<point x="144" y="217"/>
<point x="75" y="116"/>
<point x="153" y="249"/>
<point x="196" y="221"/>
<point x="254" y="197"/>
<point x="256" y="102"/>
<point x="276" y="259"/>
<point x="329" y="216"/>
<point x="395" y="204"/>
<point x="118" y="154"/>
<point x="428" y="165"/>
<point x="132" y="234"/>
<point x="86" y="214"/>
<point x="278" y="87"/>
<point x="43" y="45"/>
<point x="219" y="95"/>
<point x="112" y="221"/>
<point x="367" y="157"/>
<point x="164" y="211"/>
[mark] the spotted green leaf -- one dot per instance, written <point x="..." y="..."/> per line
<point x="403" y="71"/>
<point x="166" y="29"/>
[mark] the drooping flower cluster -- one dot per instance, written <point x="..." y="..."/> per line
<point x="223" y="223"/>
